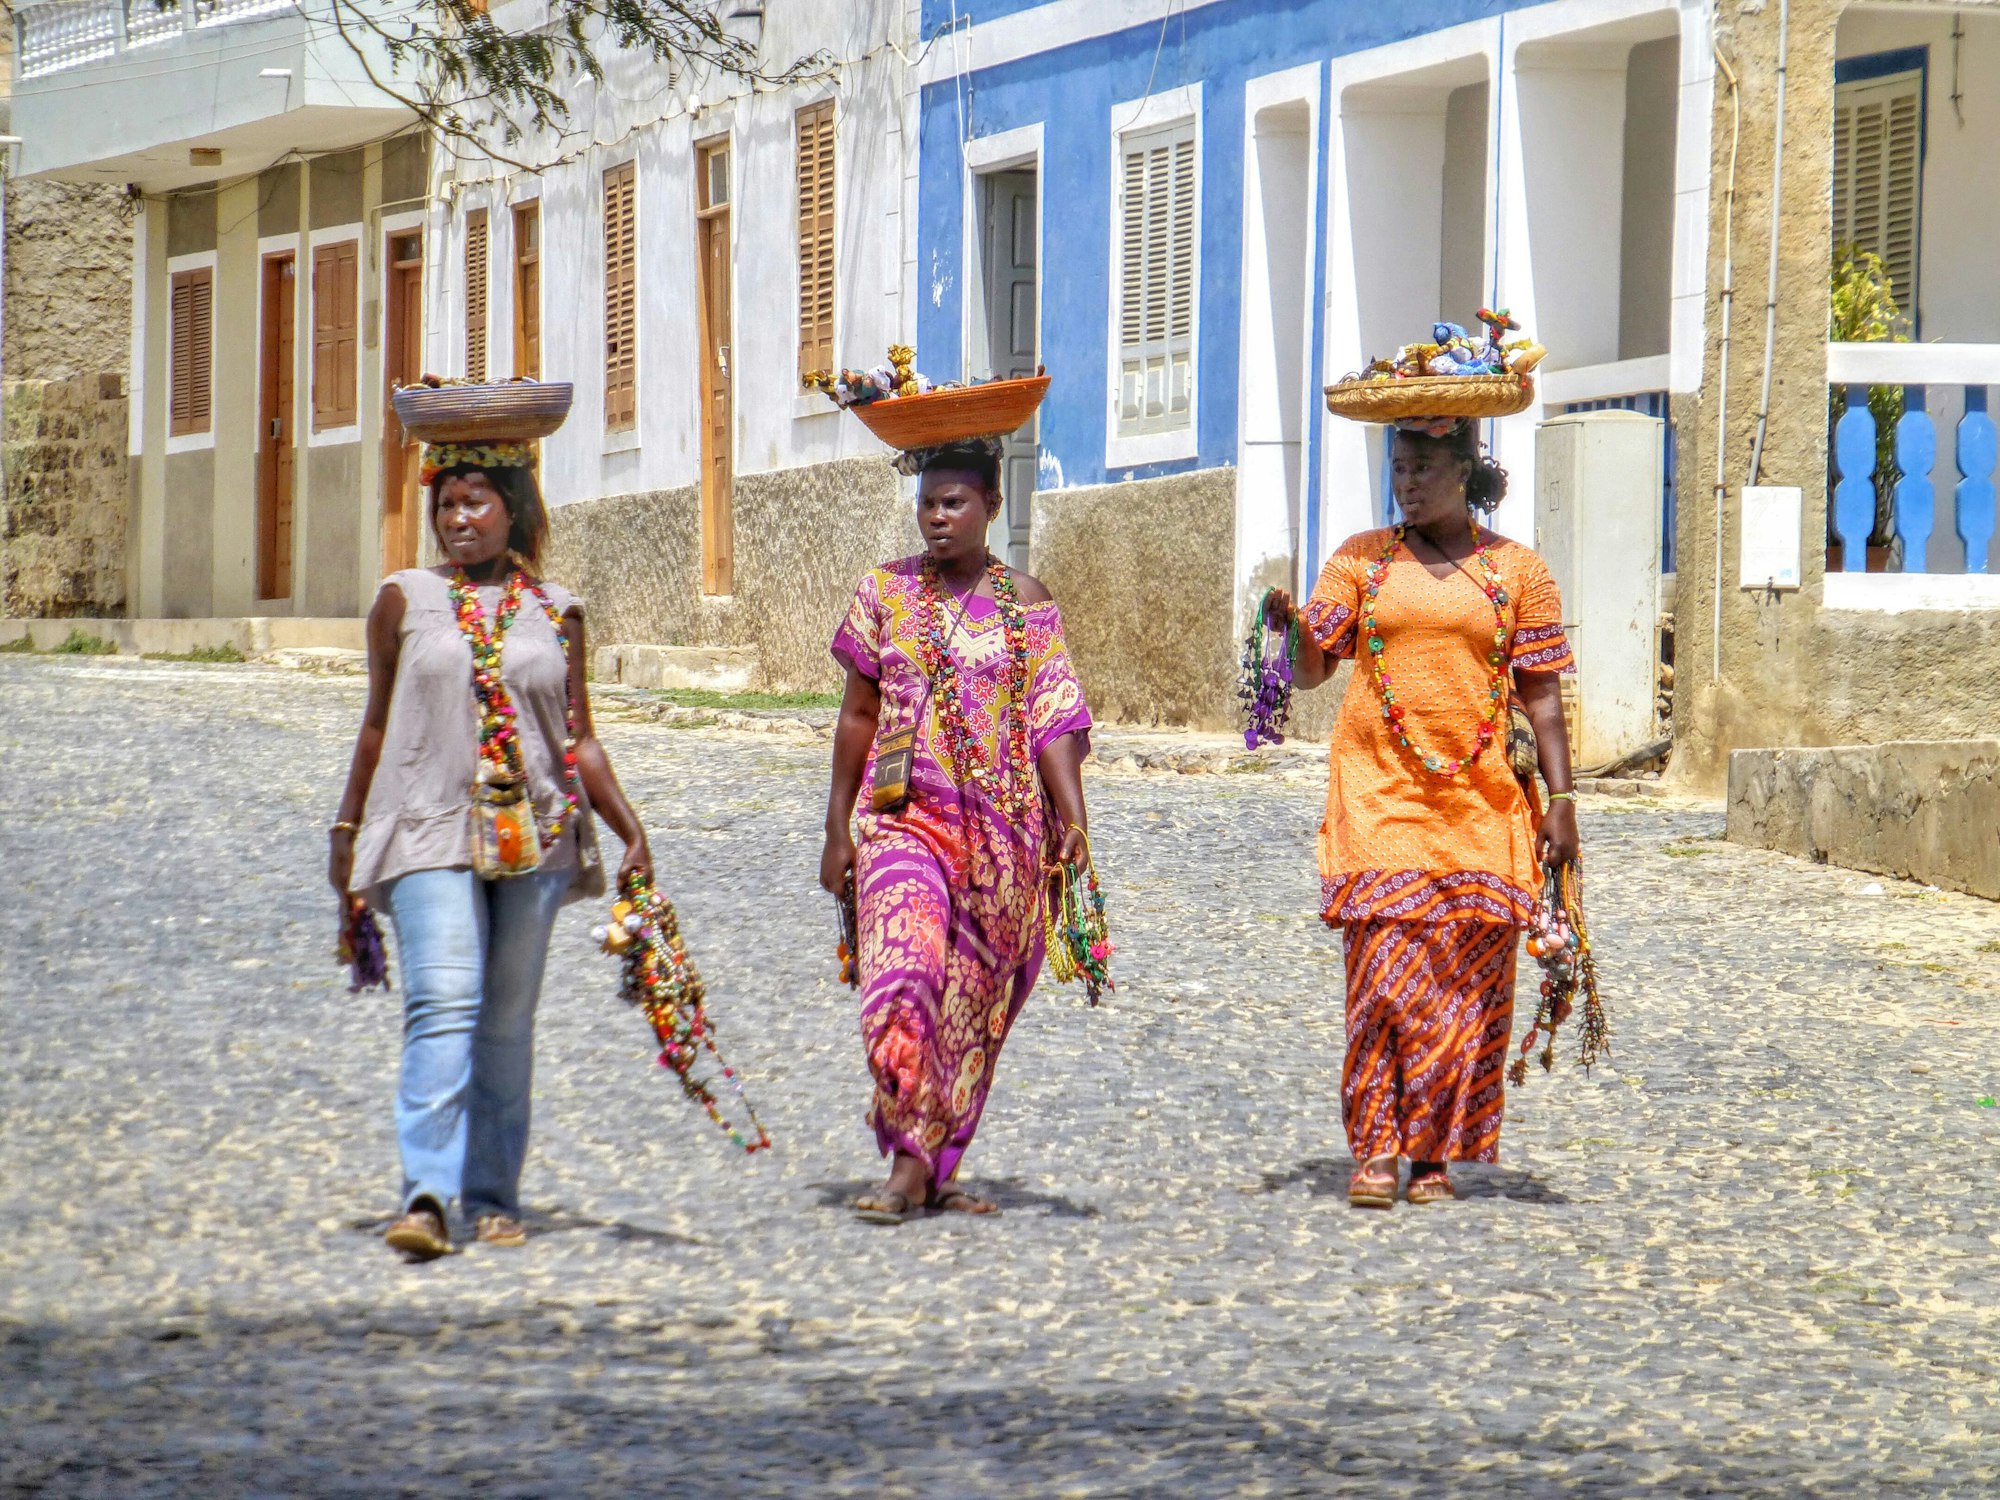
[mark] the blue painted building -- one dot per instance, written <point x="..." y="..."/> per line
<point x="1198" y="214"/>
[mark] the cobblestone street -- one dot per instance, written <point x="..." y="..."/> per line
<point x="1756" y="1254"/>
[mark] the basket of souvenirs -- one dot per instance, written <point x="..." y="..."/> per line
<point x="506" y="411"/>
<point x="907" y="411"/>
<point x="1455" y="374"/>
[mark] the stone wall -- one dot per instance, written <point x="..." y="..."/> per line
<point x="1792" y="672"/>
<point x="803" y="539"/>
<point x="63" y="511"/>
<point x="68" y="290"/>
<point x="1918" y="810"/>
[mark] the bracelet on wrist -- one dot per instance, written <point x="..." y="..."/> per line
<point x="343" y="826"/>
<point x="1562" y="796"/>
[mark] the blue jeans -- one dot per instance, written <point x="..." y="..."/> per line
<point x="472" y="956"/>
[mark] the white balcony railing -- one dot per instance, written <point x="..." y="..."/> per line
<point x="53" y="35"/>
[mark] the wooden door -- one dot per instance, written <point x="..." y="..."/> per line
<point x="277" y="418"/>
<point x="718" y="471"/>
<point x="402" y="363"/>
<point x="1013" y="334"/>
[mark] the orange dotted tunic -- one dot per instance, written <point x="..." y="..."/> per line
<point x="1399" y="844"/>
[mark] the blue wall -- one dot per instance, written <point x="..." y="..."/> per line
<point x="1070" y="93"/>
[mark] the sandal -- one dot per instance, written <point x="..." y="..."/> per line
<point x="883" y="1206"/>
<point x="1373" y="1185"/>
<point x="420" y="1234"/>
<point x="1432" y="1187"/>
<point x="949" y="1198"/>
<point x="503" y="1230"/>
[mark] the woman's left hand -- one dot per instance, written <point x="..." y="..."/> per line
<point x="1557" y="843"/>
<point x="638" y="860"/>
<point x="1073" y="848"/>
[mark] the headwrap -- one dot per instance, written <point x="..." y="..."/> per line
<point x="439" y="457"/>
<point x="912" y="460"/>
<point x="1437" y="427"/>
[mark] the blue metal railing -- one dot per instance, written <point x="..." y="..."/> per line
<point x="1856" y="454"/>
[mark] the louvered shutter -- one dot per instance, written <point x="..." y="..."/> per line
<point x="1156" y="267"/>
<point x="528" y="290"/>
<point x="816" y="198"/>
<point x="621" y="301"/>
<point x="190" y="350"/>
<point x="1877" y="175"/>
<point x="475" y="295"/>
<point x="336" y="341"/>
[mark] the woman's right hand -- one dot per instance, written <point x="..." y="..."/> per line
<point x="1279" y="611"/>
<point x="836" y="860"/>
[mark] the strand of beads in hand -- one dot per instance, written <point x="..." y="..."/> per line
<point x="1559" y="942"/>
<point x="661" y="981"/>
<point x="1266" y="688"/>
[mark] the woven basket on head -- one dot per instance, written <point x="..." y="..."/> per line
<point x="510" y="411"/>
<point x="939" y="417"/>
<point x="1430" y="396"/>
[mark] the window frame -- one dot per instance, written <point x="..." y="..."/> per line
<point x="337" y="424"/>
<point x="1877" y="70"/>
<point x="625" y="422"/>
<point x="526" y="310"/>
<point x="196" y="269"/>
<point x="478" y="292"/>
<point x="1132" y="121"/>
<point x="825" y="265"/>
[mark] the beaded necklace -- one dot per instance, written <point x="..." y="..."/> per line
<point x="1496" y="690"/>
<point x="499" y="741"/>
<point x="966" y="758"/>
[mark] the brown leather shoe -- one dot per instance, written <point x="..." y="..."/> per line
<point x="500" y="1229"/>
<point x="420" y="1234"/>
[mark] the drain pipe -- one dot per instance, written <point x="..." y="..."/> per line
<point x="1722" y="383"/>
<point x="1771" y="288"/>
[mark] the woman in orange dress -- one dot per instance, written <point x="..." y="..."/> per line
<point x="1431" y="849"/>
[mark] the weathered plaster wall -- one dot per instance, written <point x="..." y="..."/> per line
<point x="804" y="537"/>
<point x="68" y="294"/>
<point x="62" y="510"/>
<point x="1792" y="673"/>
<point x="1144" y="572"/>
<point x="1918" y="810"/>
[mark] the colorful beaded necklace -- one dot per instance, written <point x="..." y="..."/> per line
<point x="1012" y="786"/>
<point x="499" y="741"/>
<point x="1496" y="691"/>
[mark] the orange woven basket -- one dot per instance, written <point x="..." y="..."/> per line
<point x="508" y="411"/>
<point x="939" y="417"/>
<point x="1430" y="396"/>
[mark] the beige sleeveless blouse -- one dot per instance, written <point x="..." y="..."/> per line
<point x="420" y="804"/>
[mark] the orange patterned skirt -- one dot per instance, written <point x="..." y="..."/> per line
<point x="1430" y="1006"/>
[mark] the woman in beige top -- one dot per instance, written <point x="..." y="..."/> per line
<point x="472" y="949"/>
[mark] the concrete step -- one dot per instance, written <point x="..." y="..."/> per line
<point x="253" y="635"/>
<point x="717" y="669"/>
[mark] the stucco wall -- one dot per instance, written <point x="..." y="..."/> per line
<point x="68" y="294"/>
<point x="804" y="537"/>
<point x="1791" y="672"/>
<point x="1144" y="572"/>
<point x="63" y="511"/>
<point x="1919" y="810"/>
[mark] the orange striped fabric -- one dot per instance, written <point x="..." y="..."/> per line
<point x="1429" y="1009"/>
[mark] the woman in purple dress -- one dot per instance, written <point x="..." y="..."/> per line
<point x="948" y="881"/>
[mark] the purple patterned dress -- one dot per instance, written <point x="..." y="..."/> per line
<point x="949" y="891"/>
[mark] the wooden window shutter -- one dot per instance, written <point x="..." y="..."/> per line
<point x="475" y="295"/>
<point x="1878" y="176"/>
<point x="816" y="257"/>
<point x="190" y="353"/>
<point x="621" y="298"/>
<point x="336" y="336"/>
<point x="528" y="290"/>
<point x="1158" y="241"/>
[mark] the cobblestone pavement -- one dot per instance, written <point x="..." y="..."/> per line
<point x="1755" y="1255"/>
